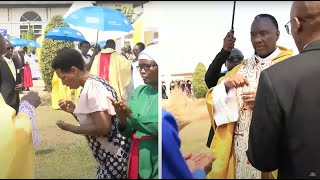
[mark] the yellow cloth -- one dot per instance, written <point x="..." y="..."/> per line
<point x="147" y="37"/>
<point x="224" y="165"/>
<point x="119" y="71"/>
<point x="60" y="91"/>
<point x="16" y="144"/>
<point x="138" y="32"/>
<point x="10" y="64"/>
<point x="39" y="40"/>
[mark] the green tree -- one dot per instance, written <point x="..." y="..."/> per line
<point x="127" y="11"/>
<point x="199" y="86"/>
<point x="49" y="50"/>
<point x="29" y="35"/>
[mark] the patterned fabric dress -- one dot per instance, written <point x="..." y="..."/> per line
<point x="27" y="108"/>
<point x="110" y="151"/>
<point x="250" y="69"/>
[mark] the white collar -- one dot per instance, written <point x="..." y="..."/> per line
<point x="307" y="45"/>
<point x="13" y="66"/>
<point x="7" y="60"/>
<point x="270" y="57"/>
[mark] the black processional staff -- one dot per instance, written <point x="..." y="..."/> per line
<point x="234" y="10"/>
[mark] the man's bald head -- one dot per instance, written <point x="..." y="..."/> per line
<point x="2" y="45"/>
<point x="305" y="9"/>
<point x="305" y="22"/>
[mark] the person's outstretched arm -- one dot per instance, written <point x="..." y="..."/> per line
<point x="213" y="73"/>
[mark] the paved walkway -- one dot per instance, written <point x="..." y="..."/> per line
<point x="38" y="86"/>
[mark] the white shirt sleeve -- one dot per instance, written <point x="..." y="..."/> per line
<point x="93" y="98"/>
<point x="225" y="105"/>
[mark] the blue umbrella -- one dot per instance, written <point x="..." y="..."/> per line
<point x="100" y="18"/>
<point x="102" y="43"/>
<point x="18" y="42"/>
<point x="65" y="34"/>
<point x="33" y="43"/>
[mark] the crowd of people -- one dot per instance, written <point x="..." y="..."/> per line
<point x="116" y="108"/>
<point x="183" y="85"/>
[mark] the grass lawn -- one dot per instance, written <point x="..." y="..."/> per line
<point x="194" y="136"/>
<point x="193" y="118"/>
<point x="61" y="154"/>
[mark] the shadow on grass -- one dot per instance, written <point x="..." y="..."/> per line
<point x="44" y="151"/>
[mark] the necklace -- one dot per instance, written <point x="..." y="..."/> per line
<point x="144" y="107"/>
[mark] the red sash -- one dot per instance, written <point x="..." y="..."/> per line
<point x="104" y="66"/>
<point x="134" y="156"/>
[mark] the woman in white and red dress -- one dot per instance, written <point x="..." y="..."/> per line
<point x="27" y="76"/>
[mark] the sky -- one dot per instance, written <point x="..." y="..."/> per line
<point x="192" y="32"/>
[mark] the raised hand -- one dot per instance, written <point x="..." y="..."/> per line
<point x="249" y="98"/>
<point x="18" y="87"/>
<point x="203" y="161"/>
<point x="228" y="42"/>
<point x="122" y="110"/>
<point x="67" y="106"/>
<point x="235" y="82"/>
<point x="62" y="125"/>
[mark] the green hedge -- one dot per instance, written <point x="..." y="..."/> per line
<point x="29" y="35"/>
<point x="199" y="86"/>
<point x="49" y="50"/>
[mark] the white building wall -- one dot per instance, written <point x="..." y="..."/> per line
<point x="58" y="11"/>
<point x="3" y="15"/>
<point x="12" y="23"/>
<point x="115" y="5"/>
<point x="4" y="19"/>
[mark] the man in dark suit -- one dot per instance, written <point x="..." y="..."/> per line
<point x="285" y="123"/>
<point x="18" y="59"/>
<point x="231" y="57"/>
<point x="10" y="76"/>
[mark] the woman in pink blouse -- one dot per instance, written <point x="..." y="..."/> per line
<point x="95" y="114"/>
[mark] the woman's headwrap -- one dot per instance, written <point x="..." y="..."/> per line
<point x="152" y="53"/>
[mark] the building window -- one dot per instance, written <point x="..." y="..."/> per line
<point x="31" y="20"/>
<point x="30" y="16"/>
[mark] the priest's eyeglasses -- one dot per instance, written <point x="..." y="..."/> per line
<point x="146" y="67"/>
